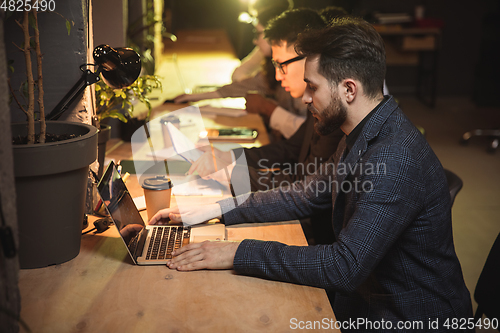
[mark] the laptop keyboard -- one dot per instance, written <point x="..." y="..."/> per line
<point x="164" y="240"/>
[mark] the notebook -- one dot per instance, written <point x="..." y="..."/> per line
<point x="147" y="244"/>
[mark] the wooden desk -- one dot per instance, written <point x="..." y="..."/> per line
<point x="102" y="291"/>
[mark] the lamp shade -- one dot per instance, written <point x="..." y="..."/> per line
<point x="120" y="67"/>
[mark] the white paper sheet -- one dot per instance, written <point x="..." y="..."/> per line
<point x="182" y="145"/>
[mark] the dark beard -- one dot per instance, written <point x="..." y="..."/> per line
<point x="332" y="117"/>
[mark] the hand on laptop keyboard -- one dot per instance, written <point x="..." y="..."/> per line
<point x="206" y="255"/>
<point x="187" y="215"/>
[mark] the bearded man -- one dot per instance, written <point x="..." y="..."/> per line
<point x="393" y="259"/>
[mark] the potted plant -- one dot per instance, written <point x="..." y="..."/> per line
<point x="51" y="161"/>
<point x="119" y="103"/>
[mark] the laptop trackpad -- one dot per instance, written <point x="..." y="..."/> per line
<point x="212" y="232"/>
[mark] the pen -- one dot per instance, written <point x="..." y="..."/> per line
<point x="190" y="161"/>
<point x="213" y="155"/>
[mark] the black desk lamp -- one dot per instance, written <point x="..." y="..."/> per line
<point x="119" y="67"/>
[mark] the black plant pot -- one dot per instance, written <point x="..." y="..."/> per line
<point x="51" y="183"/>
<point x="128" y="129"/>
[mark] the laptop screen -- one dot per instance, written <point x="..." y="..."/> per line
<point x="121" y="207"/>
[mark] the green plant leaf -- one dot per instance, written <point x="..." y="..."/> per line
<point x="31" y="20"/>
<point x="114" y="114"/>
<point x="119" y="103"/>
<point x="24" y="89"/>
<point x="68" y="26"/>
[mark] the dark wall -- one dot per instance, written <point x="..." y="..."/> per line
<point x="460" y="40"/>
<point x="460" y="50"/>
<point x="62" y="53"/>
<point x="461" y="34"/>
<point x="487" y="72"/>
<point x="10" y="300"/>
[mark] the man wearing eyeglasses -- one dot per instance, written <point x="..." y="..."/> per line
<point x="282" y="33"/>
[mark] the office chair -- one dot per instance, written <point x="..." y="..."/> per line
<point x="493" y="134"/>
<point x="454" y="184"/>
<point x="487" y="292"/>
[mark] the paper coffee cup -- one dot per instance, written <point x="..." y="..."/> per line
<point x="163" y="121"/>
<point x="157" y="192"/>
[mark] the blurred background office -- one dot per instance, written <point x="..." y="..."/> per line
<point x="459" y="76"/>
<point x="470" y="35"/>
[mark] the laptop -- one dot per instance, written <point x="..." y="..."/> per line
<point x="147" y="244"/>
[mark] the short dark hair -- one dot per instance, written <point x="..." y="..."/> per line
<point x="287" y="26"/>
<point x="332" y="12"/>
<point x="266" y="15"/>
<point x="348" y="48"/>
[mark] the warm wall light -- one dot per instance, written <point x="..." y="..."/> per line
<point x="246" y="18"/>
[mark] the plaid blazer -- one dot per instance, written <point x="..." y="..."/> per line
<point x="394" y="257"/>
<point x="305" y="147"/>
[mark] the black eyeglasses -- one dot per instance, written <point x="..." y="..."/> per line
<point x="282" y="65"/>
